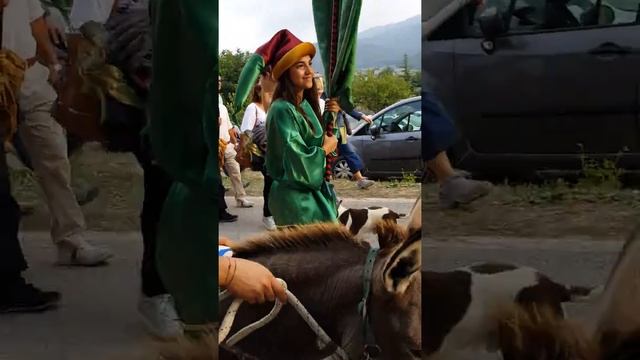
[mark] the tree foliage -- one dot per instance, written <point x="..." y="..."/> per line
<point x="374" y="91"/>
<point x="231" y="64"/>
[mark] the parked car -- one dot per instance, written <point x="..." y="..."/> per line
<point x="390" y="146"/>
<point x="535" y="85"/>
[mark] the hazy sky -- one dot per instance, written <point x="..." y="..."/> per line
<point x="247" y="24"/>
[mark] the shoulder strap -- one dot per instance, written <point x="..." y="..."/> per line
<point x="255" y="123"/>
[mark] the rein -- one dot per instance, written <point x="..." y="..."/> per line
<point x="229" y="317"/>
<point x="371" y="349"/>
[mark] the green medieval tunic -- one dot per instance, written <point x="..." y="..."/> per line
<point x="184" y="136"/>
<point x="296" y="161"/>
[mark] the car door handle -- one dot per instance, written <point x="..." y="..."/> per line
<point x="610" y="48"/>
<point x="411" y="138"/>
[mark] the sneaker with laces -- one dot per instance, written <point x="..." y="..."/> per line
<point x="82" y="255"/>
<point x="458" y="190"/>
<point x="365" y="183"/>
<point x="22" y="297"/>
<point x="160" y="317"/>
<point x="269" y="223"/>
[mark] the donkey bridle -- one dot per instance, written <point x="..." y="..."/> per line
<point x="371" y="349"/>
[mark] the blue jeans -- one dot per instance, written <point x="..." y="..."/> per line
<point x="438" y="131"/>
<point x="352" y="158"/>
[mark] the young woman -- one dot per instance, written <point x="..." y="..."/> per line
<point x="297" y="143"/>
<point x="255" y="115"/>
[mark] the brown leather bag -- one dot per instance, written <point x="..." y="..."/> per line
<point x="243" y="156"/>
<point x="77" y="110"/>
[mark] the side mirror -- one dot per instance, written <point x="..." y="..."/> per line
<point x="492" y="25"/>
<point x="375" y="132"/>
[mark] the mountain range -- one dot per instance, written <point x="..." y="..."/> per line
<point x="385" y="46"/>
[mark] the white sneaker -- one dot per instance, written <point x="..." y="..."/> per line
<point x="269" y="223"/>
<point x="82" y="255"/>
<point x="159" y="316"/>
<point x="244" y="203"/>
<point x="365" y="183"/>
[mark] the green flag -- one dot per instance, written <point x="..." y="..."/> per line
<point x="184" y="136"/>
<point x="336" y="24"/>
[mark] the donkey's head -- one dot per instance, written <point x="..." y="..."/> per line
<point x="618" y="327"/>
<point x="396" y="304"/>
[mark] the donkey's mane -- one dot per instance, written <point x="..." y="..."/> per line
<point x="299" y="237"/>
<point x="540" y="330"/>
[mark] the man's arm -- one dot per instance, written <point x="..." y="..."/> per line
<point x="40" y="32"/>
<point x="45" y="52"/>
<point x="360" y="116"/>
<point x="233" y="134"/>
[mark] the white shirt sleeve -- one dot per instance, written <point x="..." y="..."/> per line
<point x="321" y="103"/>
<point x="224" y="113"/>
<point x="249" y="119"/>
<point x="35" y="9"/>
<point x="83" y="11"/>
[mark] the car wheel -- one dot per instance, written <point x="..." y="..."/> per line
<point x="341" y="170"/>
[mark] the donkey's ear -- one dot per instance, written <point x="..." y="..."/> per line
<point x="389" y="234"/>
<point x="415" y="216"/>
<point x="403" y="264"/>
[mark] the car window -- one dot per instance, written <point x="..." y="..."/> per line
<point x="539" y="15"/>
<point x="403" y="118"/>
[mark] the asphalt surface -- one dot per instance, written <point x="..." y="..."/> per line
<point x="97" y="318"/>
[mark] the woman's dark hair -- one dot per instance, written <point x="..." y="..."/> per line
<point x="256" y="97"/>
<point x="287" y="91"/>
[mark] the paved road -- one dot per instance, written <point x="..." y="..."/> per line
<point x="98" y="319"/>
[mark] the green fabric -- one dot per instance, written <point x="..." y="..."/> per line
<point x="339" y="81"/>
<point x="184" y="136"/>
<point x="296" y="161"/>
<point x="247" y="80"/>
<point x="64" y="6"/>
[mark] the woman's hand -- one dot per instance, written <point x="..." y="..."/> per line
<point x="252" y="282"/>
<point x="329" y="144"/>
<point x="332" y="106"/>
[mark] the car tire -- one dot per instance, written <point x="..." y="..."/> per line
<point x="341" y="169"/>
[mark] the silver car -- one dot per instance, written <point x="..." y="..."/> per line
<point x="390" y="146"/>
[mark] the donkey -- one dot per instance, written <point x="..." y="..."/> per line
<point x="463" y="309"/>
<point x="323" y="265"/>
<point x="617" y="329"/>
<point x="538" y="333"/>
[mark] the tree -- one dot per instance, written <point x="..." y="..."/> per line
<point x="231" y="64"/>
<point x="405" y="68"/>
<point x="374" y="92"/>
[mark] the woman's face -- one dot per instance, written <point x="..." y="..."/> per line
<point x="301" y="73"/>
<point x="320" y="87"/>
